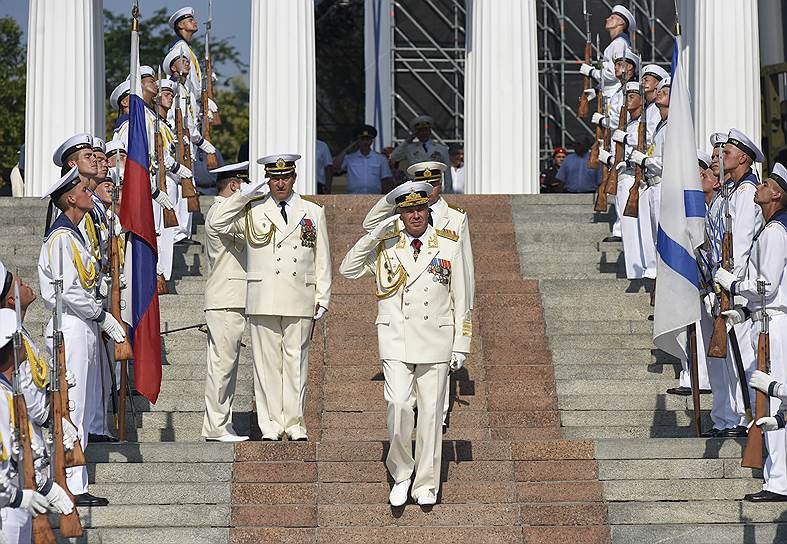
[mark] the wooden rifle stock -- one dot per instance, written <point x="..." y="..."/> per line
<point x="612" y="181"/>
<point x="70" y="526"/>
<point x="207" y="94"/>
<point x="184" y="157"/>
<point x="583" y="109"/>
<point x="593" y="159"/>
<point x="632" y="204"/>
<point x="718" y="340"/>
<point x="752" y="453"/>
<point x="42" y="529"/>
<point x="170" y="218"/>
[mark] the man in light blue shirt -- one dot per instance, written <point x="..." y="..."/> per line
<point x="367" y="170"/>
<point x="574" y="174"/>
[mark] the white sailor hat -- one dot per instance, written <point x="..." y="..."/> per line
<point x="167" y="84"/>
<point x="282" y="164"/>
<point x="666" y="82"/>
<point x="632" y="87"/>
<point x="703" y="158"/>
<point x="120" y="91"/>
<point x="779" y="175"/>
<point x="409" y="194"/>
<point x="421" y="121"/>
<point x="627" y="16"/>
<point x="654" y="70"/>
<point x="5" y="280"/>
<point x="630" y="56"/>
<point x="427" y="171"/>
<point x="182" y="13"/>
<point x="146" y="71"/>
<point x="742" y="142"/>
<point x="7" y="326"/>
<point x="73" y="143"/>
<point x="718" y="138"/>
<point x="174" y="54"/>
<point x="99" y="145"/>
<point x="114" y="146"/>
<point x="63" y="185"/>
<point x="238" y="170"/>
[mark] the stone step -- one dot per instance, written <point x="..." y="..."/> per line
<point x="170" y="535"/>
<point x="631" y="432"/>
<point x="169" y="471"/>
<point x="722" y="533"/>
<point x="631" y="418"/>
<point x="625" y="403"/>
<point x="609" y="341"/>
<point x="610" y="356"/>
<point x="684" y="448"/>
<point x="592" y="313"/>
<point x="666" y="372"/>
<point x="150" y="493"/>
<point x="163" y="452"/>
<point x="664" y="469"/>
<point x="156" y="515"/>
<point x="597" y="328"/>
<point x="691" y="489"/>
<point x="695" y="512"/>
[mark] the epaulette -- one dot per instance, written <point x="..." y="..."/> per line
<point x="451" y="235"/>
<point x="312" y="200"/>
<point x="389" y="235"/>
<point x="457" y="208"/>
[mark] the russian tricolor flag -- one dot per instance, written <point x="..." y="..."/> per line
<point x="136" y="215"/>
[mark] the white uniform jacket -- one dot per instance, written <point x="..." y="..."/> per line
<point x="226" y="284"/>
<point x="288" y="265"/>
<point x="746" y="221"/>
<point x="768" y="261"/>
<point x="422" y="311"/>
<point x="410" y="153"/>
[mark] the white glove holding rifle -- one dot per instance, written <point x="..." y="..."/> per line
<point x="70" y="435"/>
<point x="33" y="502"/>
<point x="59" y="502"/>
<point x="764" y="382"/>
<point x="111" y="326"/>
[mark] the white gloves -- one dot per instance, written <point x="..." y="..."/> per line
<point x="212" y="108"/>
<point x="620" y="166"/>
<point x="70" y="435"/>
<point x="724" y="278"/>
<point x="591" y="94"/>
<point x="586" y="70"/>
<point x="254" y="187"/>
<point x="103" y="286"/>
<point x="768" y="424"/>
<point x="762" y="382"/>
<point x="122" y="280"/>
<point x="638" y="157"/>
<point x="320" y="312"/>
<point x="457" y="360"/>
<point x="604" y="156"/>
<point x="709" y="301"/>
<point x="382" y="227"/>
<point x="33" y="502"/>
<point x="652" y="182"/>
<point x="733" y="317"/>
<point x="162" y="199"/>
<point x="113" y="329"/>
<point x="207" y="147"/>
<point x="59" y="501"/>
<point x="183" y="172"/>
<point x="599" y="119"/>
<point x="619" y="136"/>
<point x="70" y="379"/>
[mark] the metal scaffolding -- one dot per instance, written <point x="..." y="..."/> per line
<point x="428" y="57"/>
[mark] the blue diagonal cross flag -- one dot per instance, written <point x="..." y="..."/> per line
<point x="682" y="221"/>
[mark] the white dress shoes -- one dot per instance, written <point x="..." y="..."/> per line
<point x="398" y="495"/>
<point x="427" y="499"/>
<point x="297" y="435"/>
<point x="271" y="437"/>
<point x="228" y="438"/>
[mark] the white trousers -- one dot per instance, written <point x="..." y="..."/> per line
<point x="17" y="525"/>
<point x="80" y="345"/>
<point x="225" y="329"/>
<point x="184" y="217"/>
<point x="428" y="382"/>
<point x="630" y="231"/>
<point x="748" y="346"/>
<point x="280" y="345"/>
<point x="648" y="222"/>
<point x="101" y="383"/>
<point x="685" y="372"/>
<point x="775" y="470"/>
<point x="723" y="383"/>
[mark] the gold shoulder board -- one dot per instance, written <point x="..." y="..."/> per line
<point x="312" y="200"/>
<point x="448" y="234"/>
<point x="457" y="208"/>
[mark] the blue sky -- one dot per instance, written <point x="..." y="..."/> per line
<point x="231" y="18"/>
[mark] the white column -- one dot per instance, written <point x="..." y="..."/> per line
<point x="65" y="82"/>
<point x="501" y="97"/>
<point x="771" y="32"/>
<point x="377" y="58"/>
<point x="282" y="97"/>
<point x="723" y="46"/>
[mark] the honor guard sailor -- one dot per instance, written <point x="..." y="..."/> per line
<point x="288" y="284"/>
<point x="225" y="305"/>
<point x="83" y="316"/>
<point x="423" y="326"/>
<point x="620" y="24"/>
<point x="412" y="152"/>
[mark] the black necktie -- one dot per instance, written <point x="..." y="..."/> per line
<point x="426" y="149"/>
<point x="282" y="204"/>
<point x="430" y="217"/>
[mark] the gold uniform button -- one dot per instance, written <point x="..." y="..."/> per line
<point x="426" y="317"/>
<point x="277" y="271"/>
<point x="426" y="303"/>
<point x="406" y="303"/>
<point x="278" y="245"/>
<point x="295" y="260"/>
<point x="406" y="289"/>
<point x="294" y="247"/>
<point x="407" y="317"/>
<point x="278" y="258"/>
<point x="426" y="289"/>
<point x="293" y="273"/>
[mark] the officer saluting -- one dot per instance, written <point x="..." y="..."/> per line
<point x="423" y="326"/>
<point x="288" y="283"/>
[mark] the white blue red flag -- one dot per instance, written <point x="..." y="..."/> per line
<point x="136" y="215"/>
<point x="681" y="224"/>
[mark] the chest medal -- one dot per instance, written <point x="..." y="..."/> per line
<point x="308" y="233"/>
<point x="441" y="270"/>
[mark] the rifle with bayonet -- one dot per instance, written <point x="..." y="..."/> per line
<point x="612" y="181"/>
<point x="583" y="109"/>
<point x="718" y="340"/>
<point x="170" y="218"/>
<point x="70" y="525"/>
<point x="183" y="147"/>
<point x="632" y="204"/>
<point x="42" y="529"/>
<point x="207" y="91"/>
<point x="752" y="453"/>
